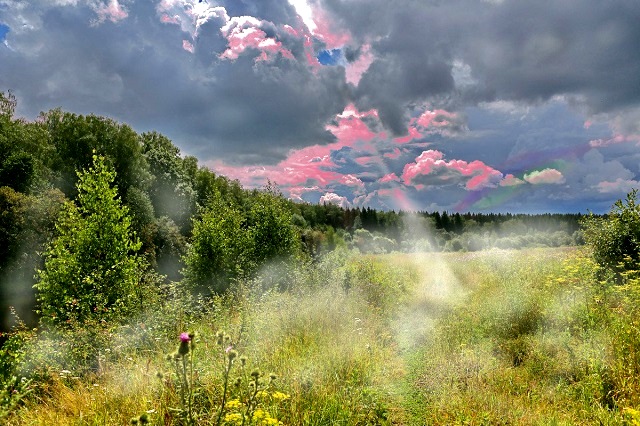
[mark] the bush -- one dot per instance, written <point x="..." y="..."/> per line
<point x="615" y="238"/>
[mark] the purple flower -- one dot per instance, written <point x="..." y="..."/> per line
<point x="184" y="337"/>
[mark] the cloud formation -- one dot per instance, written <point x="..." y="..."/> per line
<point x="415" y="104"/>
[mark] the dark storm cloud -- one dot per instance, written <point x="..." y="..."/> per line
<point x="137" y="71"/>
<point x="521" y="50"/>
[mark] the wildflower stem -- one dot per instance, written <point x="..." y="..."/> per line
<point x="224" y="390"/>
<point x="191" y="386"/>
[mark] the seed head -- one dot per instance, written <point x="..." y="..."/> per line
<point x="232" y="354"/>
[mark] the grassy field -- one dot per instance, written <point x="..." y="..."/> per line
<point x="495" y="337"/>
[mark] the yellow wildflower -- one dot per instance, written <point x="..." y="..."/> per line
<point x="234" y="404"/>
<point x="233" y="418"/>
<point x="280" y="396"/>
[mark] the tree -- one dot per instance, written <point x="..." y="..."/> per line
<point x="76" y="138"/>
<point x="91" y="269"/>
<point x="220" y="248"/>
<point x="230" y="243"/>
<point x="615" y="238"/>
<point x="270" y="226"/>
<point x="171" y="190"/>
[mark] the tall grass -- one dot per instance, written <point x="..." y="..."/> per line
<point x="496" y="337"/>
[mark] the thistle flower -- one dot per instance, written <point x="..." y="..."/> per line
<point x="183" y="349"/>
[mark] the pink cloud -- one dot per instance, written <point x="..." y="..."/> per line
<point x="619" y="186"/>
<point x="310" y="163"/>
<point x="412" y="135"/>
<point x="436" y="121"/>
<point x="390" y="177"/>
<point x="112" y="11"/>
<point x="431" y="168"/>
<point x="244" y="33"/>
<point x="166" y="19"/>
<point x="393" y="155"/>
<point x="326" y="31"/>
<point x="511" y="180"/>
<point x="355" y="69"/>
<point x="351" y="128"/>
<point x="616" y="139"/>
<point x="292" y="31"/>
<point x="351" y="180"/>
<point x="187" y="45"/>
<point x="310" y="54"/>
<point x="546" y="176"/>
<point x="436" y="118"/>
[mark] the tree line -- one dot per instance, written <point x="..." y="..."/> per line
<point x="87" y="203"/>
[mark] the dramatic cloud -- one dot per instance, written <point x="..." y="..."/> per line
<point x="462" y="104"/>
<point x="430" y="169"/>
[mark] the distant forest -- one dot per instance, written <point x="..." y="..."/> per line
<point x="174" y="205"/>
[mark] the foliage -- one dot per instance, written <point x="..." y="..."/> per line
<point x="615" y="238"/>
<point x="14" y="388"/>
<point x="229" y="243"/>
<point x="270" y="227"/>
<point x="76" y="138"/>
<point x="219" y="250"/>
<point x="170" y="190"/>
<point x="91" y="268"/>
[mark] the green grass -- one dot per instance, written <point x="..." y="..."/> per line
<point x="495" y="337"/>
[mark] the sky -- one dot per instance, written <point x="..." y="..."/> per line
<point x="523" y="106"/>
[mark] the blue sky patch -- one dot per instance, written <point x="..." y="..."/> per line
<point x="3" y="32"/>
<point x="330" y="57"/>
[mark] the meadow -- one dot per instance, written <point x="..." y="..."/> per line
<point x="522" y="337"/>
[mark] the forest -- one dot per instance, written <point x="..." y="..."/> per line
<point x="115" y="248"/>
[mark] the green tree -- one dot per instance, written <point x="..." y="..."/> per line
<point x="220" y="248"/>
<point x="91" y="268"/>
<point x="615" y="238"/>
<point x="271" y="227"/>
<point x="75" y="139"/>
<point x="171" y="188"/>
